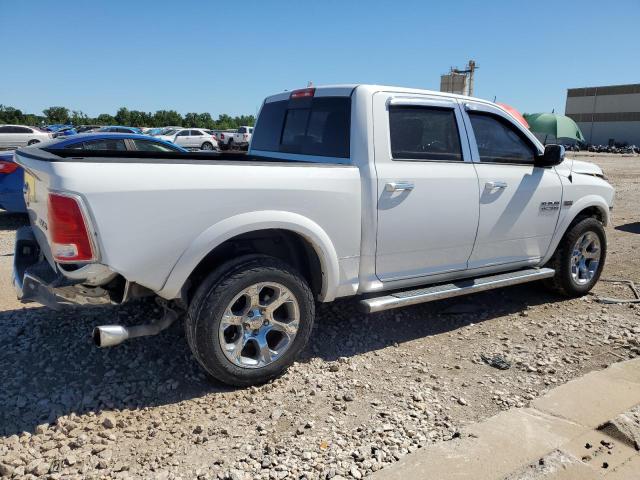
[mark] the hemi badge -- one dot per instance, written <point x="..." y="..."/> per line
<point x="568" y="203"/>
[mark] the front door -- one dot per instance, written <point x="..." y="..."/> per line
<point x="519" y="202"/>
<point x="427" y="187"/>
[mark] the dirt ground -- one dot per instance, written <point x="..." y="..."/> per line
<point x="368" y="390"/>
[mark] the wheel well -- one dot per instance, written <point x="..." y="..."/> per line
<point x="592" y="211"/>
<point x="285" y="245"/>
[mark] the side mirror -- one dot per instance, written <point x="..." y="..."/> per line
<point x="553" y="155"/>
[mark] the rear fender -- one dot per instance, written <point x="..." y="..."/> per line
<point x="243" y="223"/>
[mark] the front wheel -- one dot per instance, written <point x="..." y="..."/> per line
<point x="249" y="320"/>
<point x="579" y="258"/>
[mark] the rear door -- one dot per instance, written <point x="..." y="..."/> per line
<point x="196" y="138"/>
<point x="182" y="138"/>
<point x="427" y="187"/>
<point x="21" y="136"/>
<point x="519" y="202"/>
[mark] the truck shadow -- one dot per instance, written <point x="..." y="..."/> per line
<point x="50" y="368"/>
<point x="633" y="227"/>
<point x="12" y="221"/>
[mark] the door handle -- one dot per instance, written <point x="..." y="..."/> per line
<point x="399" y="186"/>
<point x="494" y="185"/>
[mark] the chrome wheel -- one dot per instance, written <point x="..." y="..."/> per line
<point x="207" y="146"/>
<point x="585" y="258"/>
<point x="259" y="325"/>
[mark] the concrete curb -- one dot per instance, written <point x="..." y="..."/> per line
<point x="569" y="433"/>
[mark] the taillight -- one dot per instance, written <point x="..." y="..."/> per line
<point x="303" y="93"/>
<point x="222" y="136"/>
<point x="8" y="167"/>
<point x="70" y="238"/>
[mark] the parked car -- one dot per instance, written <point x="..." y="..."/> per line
<point x="87" y="128"/>
<point x="120" y="129"/>
<point x="108" y="141"/>
<point x="153" y="131"/>
<point x="13" y="136"/>
<point x="11" y="174"/>
<point x="54" y="127"/>
<point x="397" y="196"/>
<point x="11" y="183"/>
<point x="196" y="138"/>
<point x="65" y="132"/>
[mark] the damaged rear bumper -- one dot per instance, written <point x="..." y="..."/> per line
<point x="35" y="280"/>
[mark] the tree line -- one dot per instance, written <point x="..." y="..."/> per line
<point x="124" y="116"/>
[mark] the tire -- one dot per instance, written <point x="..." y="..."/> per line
<point x="569" y="279"/>
<point x="233" y="353"/>
<point x="32" y="142"/>
<point x="207" y="146"/>
<point x="230" y="144"/>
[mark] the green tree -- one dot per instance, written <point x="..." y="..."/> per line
<point x="205" y="120"/>
<point x="104" y="119"/>
<point x="123" y="117"/>
<point x="79" y="118"/>
<point x="57" y="114"/>
<point x="167" y="117"/>
<point x="140" y="119"/>
<point x="10" y="115"/>
<point x="190" y="120"/>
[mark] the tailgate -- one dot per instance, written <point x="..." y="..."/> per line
<point x="38" y="179"/>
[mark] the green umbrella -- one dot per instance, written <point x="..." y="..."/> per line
<point x="560" y="126"/>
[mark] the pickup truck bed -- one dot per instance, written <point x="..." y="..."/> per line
<point x="187" y="201"/>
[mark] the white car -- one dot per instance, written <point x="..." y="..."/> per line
<point x="20" y="135"/>
<point x="193" y="138"/>
<point x="393" y="195"/>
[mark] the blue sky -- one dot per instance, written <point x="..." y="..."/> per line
<point x="224" y="57"/>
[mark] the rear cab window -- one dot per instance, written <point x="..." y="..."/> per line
<point x="318" y="126"/>
<point x="424" y="133"/>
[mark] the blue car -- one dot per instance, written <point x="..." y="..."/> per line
<point x="65" y="132"/>
<point x="113" y="142"/>
<point x="121" y="129"/>
<point x="11" y="181"/>
<point x="11" y="175"/>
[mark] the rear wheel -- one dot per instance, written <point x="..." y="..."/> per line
<point x="230" y="144"/>
<point x="207" y="146"/>
<point x="579" y="258"/>
<point x="33" y="142"/>
<point x="249" y="320"/>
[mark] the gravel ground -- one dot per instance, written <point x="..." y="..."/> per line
<point x="368" y="390"/>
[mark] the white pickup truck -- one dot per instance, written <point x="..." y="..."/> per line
<point x="395" y="196"/>
<point x="236" y="139"/>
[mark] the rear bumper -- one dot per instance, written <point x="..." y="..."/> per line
<point x="36" y="281"/>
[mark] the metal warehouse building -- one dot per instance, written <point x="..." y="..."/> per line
<point x="606" y="115"/>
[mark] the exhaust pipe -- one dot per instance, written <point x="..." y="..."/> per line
<point x="111" y="335"/>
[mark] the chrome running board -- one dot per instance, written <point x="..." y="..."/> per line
<point x="454" y="289"/>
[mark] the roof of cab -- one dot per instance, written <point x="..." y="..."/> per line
<point x="345" y="90"/>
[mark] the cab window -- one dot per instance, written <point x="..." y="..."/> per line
<point x="500" y="142"/>
<point x="424" y="133"/>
